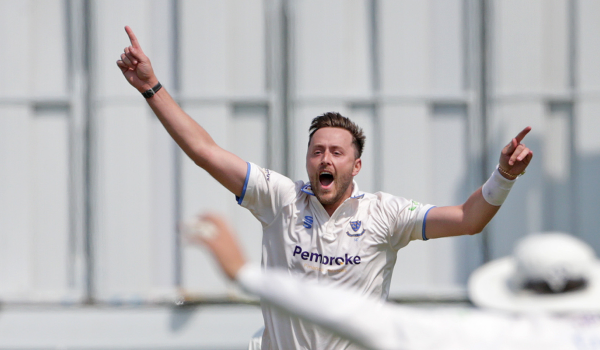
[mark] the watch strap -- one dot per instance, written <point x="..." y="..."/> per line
<point x="151" y="92"/>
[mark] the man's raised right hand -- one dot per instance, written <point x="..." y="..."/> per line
<point x="135" y="65"/>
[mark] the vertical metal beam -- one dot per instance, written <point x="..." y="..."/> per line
<point x="80" y="140"/>
<point x="573" y="173"/>
<point x="88" y="31"/>
<point x="77" y="123"/>
<point x="278" y="37"/>
<point x="177" y="161"/>
<point x="483" y="110"/>
<point x="476" y="75"/>
<point x="376" y="91"/>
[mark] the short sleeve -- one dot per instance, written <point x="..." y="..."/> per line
<point x="265" y="193"/>
<point x="408" y="220"/>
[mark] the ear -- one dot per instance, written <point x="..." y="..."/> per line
<point x="357" y="167"/>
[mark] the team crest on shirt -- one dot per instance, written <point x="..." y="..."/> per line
<point x="356" y="225"/>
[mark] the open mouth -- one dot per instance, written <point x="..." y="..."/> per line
<point x="326" y="179"/>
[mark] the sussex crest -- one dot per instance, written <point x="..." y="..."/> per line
<point x="356" y="226"/>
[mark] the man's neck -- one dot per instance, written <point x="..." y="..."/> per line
<point x="331" y="208"/>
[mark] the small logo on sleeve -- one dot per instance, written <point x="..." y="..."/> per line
<point x="308" y="221"/>
<point x="413" y="205"/>
<point x="267" y="174"/>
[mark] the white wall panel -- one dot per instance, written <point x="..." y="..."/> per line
<point x="50" y="204"/>
<point x="332" y="48"/>
<point x="588" y="45"/>
<point x="447" y="47"/>
<point x="49" y="53"/>
<point x="16" y="261"/>
<point x="15" y="18"/>
<point x="122" y="217"/>
<point x="405" y="46"/>
<point x="247" y="47"/>
<point x="517" y="46"/>
<point x="406" y="147"/>
<point x="556" y="51"/>
<point x="204" y="47"/>
<point x="163" y="218"/>
<point x="558" y="167"/>
<point x="223" y="48"/>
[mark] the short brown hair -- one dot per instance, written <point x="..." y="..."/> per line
<point x="336" y="120"/>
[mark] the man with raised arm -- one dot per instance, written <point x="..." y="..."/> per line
<point x="325" y="229"/>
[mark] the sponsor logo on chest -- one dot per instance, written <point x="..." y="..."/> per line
<point x="324" y="259"/>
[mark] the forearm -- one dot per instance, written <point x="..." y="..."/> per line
<point x="188" y="134"/>
<point x="471" y="217"/>
<point x="196" y="142"/>
<point x="367" y="322"/>
<point x="477" y="212"/>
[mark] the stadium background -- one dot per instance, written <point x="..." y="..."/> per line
<point x="92" y="188"/>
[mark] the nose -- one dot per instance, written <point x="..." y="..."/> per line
<point x="326" y="158"/>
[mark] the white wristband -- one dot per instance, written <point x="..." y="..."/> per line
<point x="496" y="188"/>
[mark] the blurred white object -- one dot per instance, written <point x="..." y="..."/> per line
<point x="199" y="228"/>
<point x="374" y="324"/>
<point x="548" y="272"/>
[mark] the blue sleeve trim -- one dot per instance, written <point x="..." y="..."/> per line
<point x="425" y="223"/>
<point x="240" y="199"/>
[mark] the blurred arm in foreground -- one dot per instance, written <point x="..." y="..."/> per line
<point x="374" y="324"/>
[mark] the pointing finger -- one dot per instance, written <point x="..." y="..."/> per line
<point x="132" y="37"/>
<point x="522" y="134"/>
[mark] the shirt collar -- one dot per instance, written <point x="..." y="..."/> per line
<point x="356" y="194"/>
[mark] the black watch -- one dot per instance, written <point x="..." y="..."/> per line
<point x="150" y="92"/>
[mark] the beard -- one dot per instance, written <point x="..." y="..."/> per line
<point x="336" y="193"/>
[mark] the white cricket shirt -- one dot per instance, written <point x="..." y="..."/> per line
<point x="385" y="326"/>
<point x="356" y="247"/>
